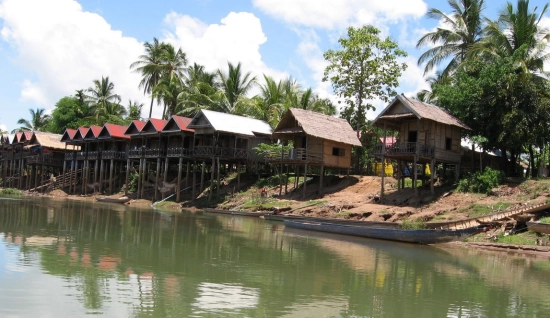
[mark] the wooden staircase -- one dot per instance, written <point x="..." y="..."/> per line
<point x="60" y="180"/>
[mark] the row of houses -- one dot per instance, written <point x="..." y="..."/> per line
<point x="176" y="155"/>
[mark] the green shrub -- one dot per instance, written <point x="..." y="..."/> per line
<point x="8" y="191"/>
<point x="412" y="225"/>
<point x="481" y="182"/>
<point x="134" y="177"/>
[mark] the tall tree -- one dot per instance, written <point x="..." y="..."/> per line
<point x="103" y="99"/>
<point x="235" y="84"/>
<point x="365" y="68"/>
<point x="38" y="122"/>
<point x="134" y="110"/>
<point x="462" y="29"/>
<point x="149" y="66"/>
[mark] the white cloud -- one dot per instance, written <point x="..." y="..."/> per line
<point x="236" y="39"/>
<point x="66" y="48"/>
<point x="329" y="14"/>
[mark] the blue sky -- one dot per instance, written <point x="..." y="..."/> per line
<point x="49" y="49"/>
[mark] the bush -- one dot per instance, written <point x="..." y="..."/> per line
<point x="134" y="177"/>
<point x="9" y="191"/>
<point x="481" y="182"/>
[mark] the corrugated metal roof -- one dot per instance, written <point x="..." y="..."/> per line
<point x="80" y="133"/>
<point x="235" y="124"/>
<point x="179" y="122"/>
<point x="319" y="125"/>
<point x="93" y="132"/>
<point x="112" y="130"/>
<point x="134" y="128"/>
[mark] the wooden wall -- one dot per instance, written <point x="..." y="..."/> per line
<point x="325" y="147"/>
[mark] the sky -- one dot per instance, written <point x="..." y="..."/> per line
<point x="49" y="49"/>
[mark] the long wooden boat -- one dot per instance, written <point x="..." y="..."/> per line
<point x="234" y="212"/>
<point x="282" y="217"/>
<point x="113" y="200"/>
<point x="425" y="236"/>
<point x="539" y="227"/>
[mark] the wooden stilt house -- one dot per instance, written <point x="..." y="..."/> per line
<point x="317" y="139"/>
<point x="426" y="134"/>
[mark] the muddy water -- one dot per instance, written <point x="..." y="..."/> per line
<point x="68" y="259"/>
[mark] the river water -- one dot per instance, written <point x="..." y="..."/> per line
<point x="70" y="259"/>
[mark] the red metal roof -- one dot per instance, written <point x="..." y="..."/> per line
<point x="81" y="132"/>
<point x="18" y="137"/>
<point x="116" y="131"/>
<point x="28" y="135"/>
<point x="181" y="121"/>
<point x="139" y="124"/>
<point x="390" y="140"/>
<point x="93" y="132"/>
<point x="158" y="124"/>
<point x="68" y="135"/>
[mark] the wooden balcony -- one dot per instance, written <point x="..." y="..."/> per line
<point x="45" y="159"/>
<point x="153" y="152"/>
<point x="70" y="156"/>
<point x="222" y="153"/>
<point x="113" y="154"/>
<point x="94" y="155"/>
<point x="179" y="152"/>
<point x="405" y="149"/>
<point x="135" y="153"/>
<point x="296" y="155"/>
<point x="80" y="155"/>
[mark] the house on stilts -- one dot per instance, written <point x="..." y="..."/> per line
<point x="426" y="134"/>
<point x="318" y="140"/>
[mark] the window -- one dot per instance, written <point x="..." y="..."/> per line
<point x="448" y="144"/>
<point x="412" y="136"/>
<point x="340" y="152"/>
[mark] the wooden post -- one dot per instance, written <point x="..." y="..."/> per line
<point x="187" y="175"/>
<point x="166" y="165"/>
<point x="96" y="168"/>
<point x="238" y="177"/>
<point x="218" y="179"/>
<point x="178" y="187"/>
<point x="64" y="169"/>
<point x="126" y="185"/>
<point x="322" y="173"/>
<point x="383" y="172"/>
<point x="141" y="170"/>
<point x="287" y="178"/>
<point x="416" y="154"/>
<point x="457" y="172"/>
<point x="305" y="179"/>
<point x="212" y="179"/>
<point x="157" y="180"/>
<point x="202" y="175"/>
<point x="111" y="170"/>
<point x="432" y="175"/>
<point x="193" y="193"/>
<point x="101" y="174"/>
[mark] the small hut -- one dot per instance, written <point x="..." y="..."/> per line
<point x="317" y="139"/>
<point x="426" y="134"/>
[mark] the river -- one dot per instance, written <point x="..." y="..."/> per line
<point x="66" y="258"/>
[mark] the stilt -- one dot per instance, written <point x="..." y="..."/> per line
<point x="101" y="175"/>
<point x="321" y="174"/>
<point x="178" y="187"/>
<point x="218" y="178"/>
<point x="156" y="181"/>
<point x="238" y="177"/>
<point x="287" y="178"/>
<point x="305" y="179"/>
<point x="193" y="193"/>
<point x="202" y="175"/>
<point x="166" y="165"/>
<point x="211" y="179"/>
<point x="187" y="175"/>
<point x="432" y="176"/>
<point x="111" y="170"/>
<point x="126" y="185"/>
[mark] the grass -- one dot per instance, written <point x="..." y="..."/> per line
<point x="412" y="224"/>
<point x="477" y="210"/>
<point x="10" y="191"/>
<point x="545" y="220"/>
<point x="527" y="238"/>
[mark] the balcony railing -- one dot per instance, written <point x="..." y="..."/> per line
<point x="94" y="155"/>
<point x="113" y="154"/>
<point x="179" y="152"/>
<point x="135" y="153"/>
<point x="227" y="153"/>
<point x="296" y="154"/>
<point x="70" y="156"/>
<point x="153" y="152"/>
<point x="406" y="148"/>
<point x="44" y="158"/>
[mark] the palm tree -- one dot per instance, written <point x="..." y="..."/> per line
<point x="102" y="98"/>
<point x="39" y="120"/>
<point x="234" y="86"/>
<point x="272" y="101"/>
<point x="173" y="64"/>
<point x="149" y="65"/>
<point x="169" y="89"/>
<point x="134" y="109"/>
<point x="517" y="35"/>
<point x="464" y="30"/>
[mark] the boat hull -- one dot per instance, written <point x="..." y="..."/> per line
<point x="113" y="200"/>
<point x="233" y="212"/>
<point x="538" y="227"/>
<point x="428" y="236"/>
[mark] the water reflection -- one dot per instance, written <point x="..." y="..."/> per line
<point x="118" y="261"/>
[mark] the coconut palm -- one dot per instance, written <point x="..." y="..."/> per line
<point x="149" y="65"/>
<point x="39" y="120"/>
<point x="462" y="29"/>
<point x="102" y="99"/>
<point x="234" y="85"/>
<point x="517" y="35"/>
<point x="134" y="109"/>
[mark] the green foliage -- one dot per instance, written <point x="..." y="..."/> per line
<point x="476" y="210"/>
<point x="134" y="177"/>
<point x="409" y="224"/>
<point x="10" y="191"/>
<point x="365" y="68"/>
<point x="481" y="182"/>
<point x="545" y="220"/>
<point x="271" y="181"/>
<point x="266" y="150"/>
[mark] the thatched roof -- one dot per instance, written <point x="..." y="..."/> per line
<point x="406" y="108"/>
<point x="48" y="140"/>
<point x="297" y="120"/>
